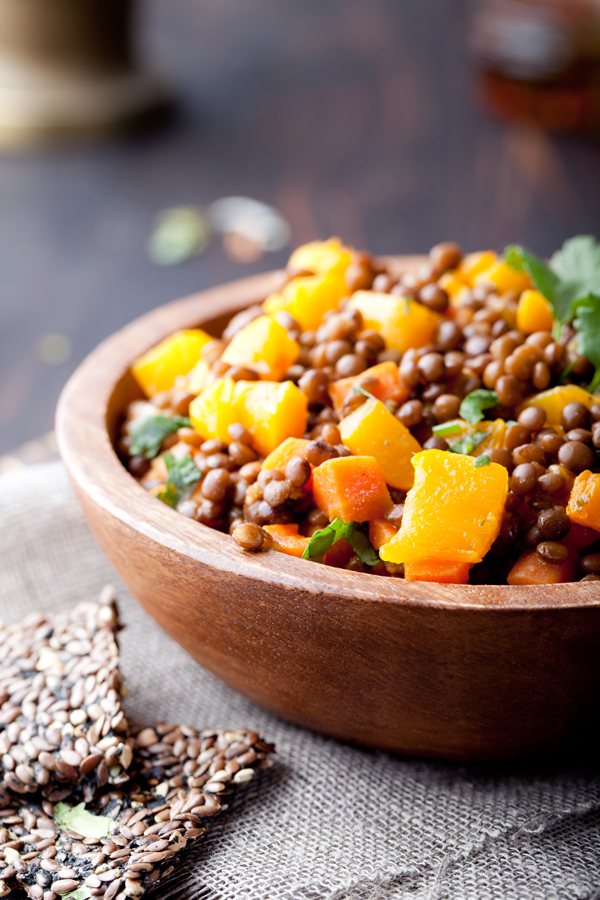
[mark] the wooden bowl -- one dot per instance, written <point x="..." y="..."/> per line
<point x="461" y="672"/>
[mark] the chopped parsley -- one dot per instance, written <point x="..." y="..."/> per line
<point x="148" y="434"/>
<point x="482" y="460"/>
<point x="474" y="404"/>
<point x="183" y="476"/>
<point x="448" y="428"/>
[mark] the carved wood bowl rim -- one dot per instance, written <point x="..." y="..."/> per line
<point x="88" y="412"/>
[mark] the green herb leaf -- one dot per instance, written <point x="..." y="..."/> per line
<point x="148" y="434"/>
<point x="468" y="442"/>
<point x="577" y="265"/>
<point x="359" y="389"/>
<point x="77" y="818"/>
<point x="354" y="532"/>
<point x="587" y="324"/>
<point x="542" y="276"/>
<point x="474" y="403"/>
<point x="482" y="460"/>
<point x="183" y="478"/>
<point x="448" y="428"/>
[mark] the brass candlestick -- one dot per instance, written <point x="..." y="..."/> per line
<point x="67" y="68"/>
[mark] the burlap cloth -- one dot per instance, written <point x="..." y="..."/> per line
<point x="328" y="820"/>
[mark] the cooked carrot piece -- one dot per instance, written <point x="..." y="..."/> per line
<point x="531" y="568"/>
<point x="351" y="488"/>
<point x="287" y="540"/>
<point x="382" y="380"/>
<point x="580" y="537"/>
<point x="339" y="554"/>
<point x="438" y="570"/>
<point x="380" y="532"/>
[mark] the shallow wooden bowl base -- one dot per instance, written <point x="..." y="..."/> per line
<point x="459" y="672"/>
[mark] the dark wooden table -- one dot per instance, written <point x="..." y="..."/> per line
<point x="353" y="117"/>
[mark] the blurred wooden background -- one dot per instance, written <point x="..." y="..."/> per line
<point x="353" y="117"/>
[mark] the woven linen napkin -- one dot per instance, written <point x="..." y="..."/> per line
<point x="327" y="820"/>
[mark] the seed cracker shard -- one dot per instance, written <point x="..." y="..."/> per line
<point x="135" y="833"/>
<point x="62" y="726"/>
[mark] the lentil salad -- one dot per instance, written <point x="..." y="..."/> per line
<point x="441" y="426"/>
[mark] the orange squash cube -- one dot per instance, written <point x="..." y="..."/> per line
<point x="281" y="456"/>
<point x="452" y="513"/>
<point x="473" y="263"/>
<point x="441" y="571"/>
<point x="531" y="568"/>
<point x="584" y="502"/>
<point x="554" y="400"/>
<point x="351" y="488"/>
<point x="264" y="345"/>
<point x="534" y="313"/>
<point x="380" y="532"/>
<point x="308" y="297"/>
<point x="504" y="277"/>
<point x="157" y="369"/>
<point x="285" y="539"/>
<point x="372" y="430"/>
<point x="403" y="323"/>
<point x="382" y="380"/>
<point x="271" y="411"/>
<point x="321" y="256"/>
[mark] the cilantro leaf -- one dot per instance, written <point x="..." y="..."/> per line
<point x="148" y="434"/>
<point x="542" y="276"/>
<point x="183" y="478"/>
<point x="468" y="442"/>
<point x="77" y="818"/>
<point x="587" y="324"/>
<point x="354" y="532"/>
<point x="577" y="265"/>
<point x="474" y="403"/>
<point x="482" y="460"/>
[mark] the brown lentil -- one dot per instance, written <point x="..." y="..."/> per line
<point x="553" y="551"/>
<point x="248" y="536"/>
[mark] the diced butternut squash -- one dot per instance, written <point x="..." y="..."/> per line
<point x="452" y="513"/>
<point x="351" y="488"/>
<point x="372" y="430"/>
<point x="271" y="411"/>
<point x="321" y="256"/>
<point x="473" y="263"/>
<point x="438" y="570"/>
<point x="383" y="381"/>
<point x="214" y="410"/>
<point x="531" y="568"/>
<point x="199" y="377"/>
<point x="380" y="532"/>
<point x="555" y="399"/>
<point x="534" y="313"/>
<point x="403" y="323"/>
<point x="580" y="537"/>
<point x="157" y="369"/>
<point x="285" y="539"/>
<point x="264" y="345"/>
<point x="309" y="297"/>
<point x="339" y="554"/>
<point x="504" y="277"/>
<point x="584" y="502"/>
<point x="453" y="284"/>
<point x="281" y="456"/>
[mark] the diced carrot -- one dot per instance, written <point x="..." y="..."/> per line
<point x="380" y="532"/>
<point x="438" y="570"/>
<point x="339" y="554"/>
<point x="287" y="540"/>
<point x="531" y="568"/>
<point x="580" y="537"/>
<point x="281" y="456"/>
<point x="351" y="488"/>
<point x="384" y="383"/>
